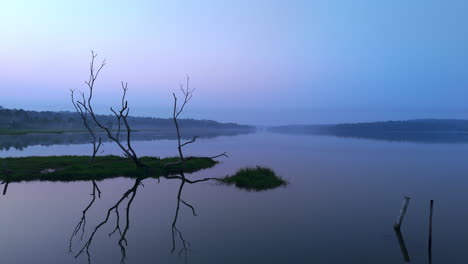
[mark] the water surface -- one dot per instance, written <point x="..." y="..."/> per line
<point x="340" y="206"/>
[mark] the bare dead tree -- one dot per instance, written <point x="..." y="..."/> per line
<point x="83" y="113"/>
<point x="121" y="114"/>
<point x="82" y="223"/>
<point x="177" y="110"/>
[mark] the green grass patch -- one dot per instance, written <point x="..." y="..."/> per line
<point x="79" y="168"/>
<point x="255" y="179"/>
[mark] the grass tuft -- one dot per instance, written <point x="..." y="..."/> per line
<point x="256" y="179"/>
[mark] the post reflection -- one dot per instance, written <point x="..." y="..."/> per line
<point x="401" y="242"/>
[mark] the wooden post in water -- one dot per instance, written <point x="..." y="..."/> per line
<point x="431" y="209"/>
<point x="402" y="213"/>
<point x="7" y="173"/>
<point x="5" y="188"/>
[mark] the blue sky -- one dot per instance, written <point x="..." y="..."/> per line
<point x="258" y="62"/>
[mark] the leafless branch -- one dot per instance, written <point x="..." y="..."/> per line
<point x="224" y="154"/>
<point x="187" y="93"/>
<point x="81" y="109"/>
<point x="121" y="115"/>
<point x="187" y="96"/>
<point x="190" y="141"/>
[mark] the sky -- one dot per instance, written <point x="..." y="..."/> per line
<point x="263" y="62"/>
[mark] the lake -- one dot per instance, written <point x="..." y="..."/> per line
<point x="343" y="198"/>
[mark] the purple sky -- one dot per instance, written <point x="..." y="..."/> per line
<point x="257" y="62"/>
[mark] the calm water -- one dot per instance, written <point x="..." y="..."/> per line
<point x="340" y="206"/>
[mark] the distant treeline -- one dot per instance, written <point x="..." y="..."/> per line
<point x="416" y="125"/>
<point x="418" y="130"/>
<point x="18" y="119"/>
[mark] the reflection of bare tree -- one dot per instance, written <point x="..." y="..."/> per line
<point x="130" y="193"/>
<point x="429" y="246"/>
<point x="401" y="242"/>
<point x="176" y="231"/>
<point x="122" y="230"/>
<point x="82" y="223"/>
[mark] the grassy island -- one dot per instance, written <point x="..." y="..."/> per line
<point x="255" y="179"/>
<point x="79" y="168"/>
